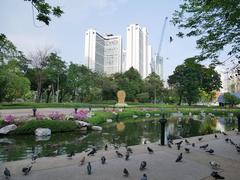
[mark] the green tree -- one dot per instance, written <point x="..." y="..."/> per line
<point x="55" y="70"/>
<point x="214" y="22"/>
<point x="231" y="99"/>
<point x="154" y="86"/>
<point x="190" y="78"/>
<point x="45" y="10"/>
<point x="131" y="82"/>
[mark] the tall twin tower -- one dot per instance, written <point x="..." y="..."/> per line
<point x="105" y="53"/>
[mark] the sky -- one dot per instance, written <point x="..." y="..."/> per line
<point x="65" y="35"/>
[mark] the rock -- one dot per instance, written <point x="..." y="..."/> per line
<point x="42" y="138"/>
<point x="148" y="115"/>
<point x="7" y="129"/>
<point x="135" y="116"/>
<point x="195" y="117"/>
<point x="42" y="132"/>
<point x="156" y="114"/>
<point x="96" y="128"/>
<point x="82" y="124"/>
<point x="109" y="120"/>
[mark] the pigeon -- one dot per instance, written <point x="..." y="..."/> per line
<point x="216" y="175"/>
<point x="92" y="152"/>
<point x="103" y="159"/>
<point x="120" y="155"/>
<point x="204" y="146"/>
<point x="116" y="146"/>
<point x="144" y="177"/>
<point x="215" y="136"/>
<point x="214" y="165"/>
<point x="179" y="158"/>
<point x="210" y="151"/>
<point x="178" y="146"/>
<point x="170" y="141"/>
<point x="193" y="144"/>
<point x="34" y="157"/>
<point x="232" y="142"/>
<point x="125" y="172"/>
<point x="237" y="148"/>
<point x="226" y="140"/>
<point x="82" y="161"/>
<point x="225" y="134"/>
<point x="7" y="173"/>
<point x="169" y="145"/>
<point x="199" y="139"/>
<point x="150" y="150"/>
<point x="187" y="142"/>
<point x="127" y="156"/>
<point x="106" y="147"/>
<point x="26" y="170"/>
<point x="187" y="150"/>
<point x="129" y="149"/>
<point x="170" y="39"/>
<point x="143" y="165"/>
<point x="145" y="142"/>
<point x="89" y="168"/>
<point x="72" y="153"/>
<point x="179" y="143"/>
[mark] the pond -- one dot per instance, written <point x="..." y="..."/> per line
<point x="124" y="133"/>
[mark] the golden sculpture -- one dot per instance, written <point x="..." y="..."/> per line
<point x="121" y="95"/>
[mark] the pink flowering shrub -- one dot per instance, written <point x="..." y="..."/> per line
<point x="56" y="115"/>
<point x="80" y="115"/>
<point x="40" y="116"/>
<point x="9" y="119"/>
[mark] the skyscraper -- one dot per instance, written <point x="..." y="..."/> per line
<point x="103" y="53"/>
<point x="137" y="48"/>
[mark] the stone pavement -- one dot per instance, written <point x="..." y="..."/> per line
<point x="161" y="164"/>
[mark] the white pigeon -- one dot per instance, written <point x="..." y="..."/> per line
<point x="214" y="165"/>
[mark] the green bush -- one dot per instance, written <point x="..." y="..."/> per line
<point x="55" y="126"/>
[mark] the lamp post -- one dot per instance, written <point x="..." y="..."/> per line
<point x="75" y="110"/>
<point x="34" y="111"/>
<point x="163" y="121"/>
<point x="238" y="117"/>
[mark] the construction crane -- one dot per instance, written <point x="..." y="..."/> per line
<point x="157" y="64"/>
<point x="158" y="59"/>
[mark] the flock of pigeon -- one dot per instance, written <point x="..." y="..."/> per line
<point x="143" y="165"/>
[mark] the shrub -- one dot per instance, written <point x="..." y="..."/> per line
<point x="55" y="126"/>
<point x="81" y="115"/>
<point x="40" y="116"/>
<point x="9" y="119"/>
<point x="56" y="116"/>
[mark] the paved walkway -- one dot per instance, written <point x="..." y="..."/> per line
<point x="160" y="166"/>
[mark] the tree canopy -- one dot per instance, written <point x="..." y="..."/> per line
<point x="191" y="77"/>
<point x="45" y="10"/>
<point x="216" y="24"/>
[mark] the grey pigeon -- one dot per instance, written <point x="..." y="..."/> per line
<point x="120" y="155"/>
<point x="144" y="177"/>
<point x="216" y="175"/>
<point x="92" y="152"/>
<point x="127" y="156"/>
<point x="89" y="168"/>
<point x="106" y="147"/>
<point x="26" y="170"/>
<point x="193" y="144"/>
<point x="210" y="151"/>
<point x="204" y="146"/>
<point x="169" y="145"/>
<point x="125" y="172"/>
<point x="179" y="158"/>
<point x="150" y="150"/>
<point x="143" y="165"/>
<point x="187" y="142"/>
<point x="200" y="138"/>
<point x="103" y="159"/>
<point x="7" y="173"/>
<point x="187" y="150"/>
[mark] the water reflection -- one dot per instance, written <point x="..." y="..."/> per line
<point x="129" y="133"/>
